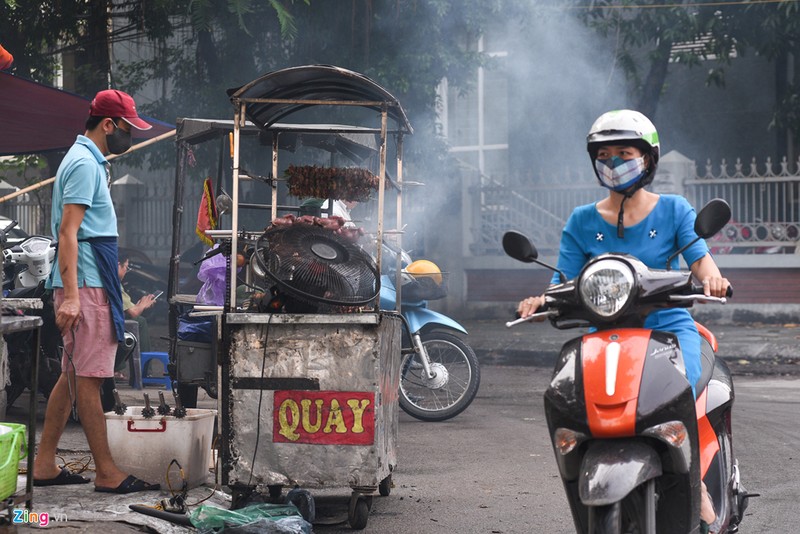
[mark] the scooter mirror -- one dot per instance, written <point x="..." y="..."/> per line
<point x="224" y="203"/>
<point x="712" y="218"/>
<point x="519" y="247"/>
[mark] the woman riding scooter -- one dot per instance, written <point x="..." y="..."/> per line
<point x="624" y="146"/>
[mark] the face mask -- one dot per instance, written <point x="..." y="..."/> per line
<point x="118" y="142"/>
<point x="618" y="174"/>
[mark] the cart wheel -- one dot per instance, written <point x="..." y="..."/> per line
<point x="358" y="513"/>
<point x="385" y="487"/>
<point x="304" y="502"/>
<point x="275" y="492"/>
<point x="241" y="496"/>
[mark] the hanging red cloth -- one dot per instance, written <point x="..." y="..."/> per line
<point x="207" y="213"/>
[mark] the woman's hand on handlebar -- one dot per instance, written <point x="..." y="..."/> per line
<point x="715" y="286"/>
<point x="706" y="271"/>
<point x="529" y="306"/>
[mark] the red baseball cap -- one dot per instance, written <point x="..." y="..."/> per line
<point x="113" y="103"/>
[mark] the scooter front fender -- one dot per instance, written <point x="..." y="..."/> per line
<point x="611" y="469"/>
<point x="420" y="317"/>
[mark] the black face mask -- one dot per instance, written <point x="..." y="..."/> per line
<point x="118" y="142"/>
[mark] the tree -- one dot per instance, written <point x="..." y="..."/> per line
<point x="649" y="35"/>
<point x="204" y="47"/>
<point x="407" y="46"/>
<point x="645" y="35"/>
<point x="776" y="35"/>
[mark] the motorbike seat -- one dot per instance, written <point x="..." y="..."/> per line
<point x="707" y="358"/>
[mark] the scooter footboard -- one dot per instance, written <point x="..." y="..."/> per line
<point x="611" y="469"/>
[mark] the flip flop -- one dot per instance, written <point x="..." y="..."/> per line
<point x="129" y="485"/>
<point x="64" y="478"/>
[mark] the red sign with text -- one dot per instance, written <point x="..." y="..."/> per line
<point x="324" y="417"/>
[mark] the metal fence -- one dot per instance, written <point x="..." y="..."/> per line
<point x="144" y="216"/>
<point x="146" y="221"/>
<point x="537" y="211"/>
<point x="764" y="202"/>
<point x="31" y="212"/>
<point x="766" y="215"/>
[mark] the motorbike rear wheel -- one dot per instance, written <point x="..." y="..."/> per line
<point x="454" y="387"/>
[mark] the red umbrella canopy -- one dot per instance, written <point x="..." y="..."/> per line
<point x="38" y="118"/>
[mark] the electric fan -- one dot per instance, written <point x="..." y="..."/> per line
<point x="316" y="265"/>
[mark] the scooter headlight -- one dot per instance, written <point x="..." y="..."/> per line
<point x="606" y="287"/>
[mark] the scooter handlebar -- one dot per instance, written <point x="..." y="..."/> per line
<point x="539" y="315"/>
<point x="698" y="290"/>
<point x="697" y="294"/>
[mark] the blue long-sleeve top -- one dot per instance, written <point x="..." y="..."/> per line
<point x="668" y="227"/>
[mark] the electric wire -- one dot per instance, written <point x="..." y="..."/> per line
<point x="214" y="447"/>
<point x="73" y="400"/>
<point x="265" y="330"/>
<point x="592" y="7"/>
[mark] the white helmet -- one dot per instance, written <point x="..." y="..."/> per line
<point x="626" y="127"/>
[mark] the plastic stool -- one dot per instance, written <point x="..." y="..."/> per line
<point x="147" y="380"/>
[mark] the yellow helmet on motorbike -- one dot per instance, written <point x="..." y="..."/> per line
<point x="421" y="268"/>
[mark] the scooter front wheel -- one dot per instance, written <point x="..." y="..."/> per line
<point x="605" y="519"/>
<point x="453" y="386"/>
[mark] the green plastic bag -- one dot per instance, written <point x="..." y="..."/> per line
<point x="277" y="518"/>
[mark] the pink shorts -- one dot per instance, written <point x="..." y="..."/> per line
<point x="95" y="345"/>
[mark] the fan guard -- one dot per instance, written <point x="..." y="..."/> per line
<point x="316" y="265"/>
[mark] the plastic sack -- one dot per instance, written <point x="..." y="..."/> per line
<point x="212" y="274"/>
<point x="196" y="329"/>
<point x="272" y="518"/>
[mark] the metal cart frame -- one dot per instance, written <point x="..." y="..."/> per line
<point x="266" y="358"/>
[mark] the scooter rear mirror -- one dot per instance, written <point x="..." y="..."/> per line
<point x="224" y="203"/>
<point x="519" y="247"/>
<point x="712" y="218"/>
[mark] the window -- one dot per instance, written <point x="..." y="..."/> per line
<point x="476" y="123"/>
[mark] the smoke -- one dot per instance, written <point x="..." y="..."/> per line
<point x="549" y="78"/>
<point x="564" y="76"/>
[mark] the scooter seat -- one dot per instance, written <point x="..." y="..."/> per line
<point x="707" y="358"/>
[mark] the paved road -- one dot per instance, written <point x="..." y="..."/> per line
<point x="755" y="349"/>
<point x="491" y="468"/>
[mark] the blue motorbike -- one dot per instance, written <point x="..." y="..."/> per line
<point x="440" y="373"/>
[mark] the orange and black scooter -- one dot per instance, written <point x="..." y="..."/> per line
<point x="631" y="442"/>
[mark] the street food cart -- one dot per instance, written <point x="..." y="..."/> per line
<point x="307" y="365"/>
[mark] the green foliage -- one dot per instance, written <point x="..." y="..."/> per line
<point x="32" y="30"/>
<point x="717" y="31"/>
<point x="25" y="170"/>
<point x="407" y="46"/>
<point x="646" y="31"/>
<point x="202" y="48"/>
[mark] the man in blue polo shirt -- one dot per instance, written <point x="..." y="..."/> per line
<point x="87" y="296"/>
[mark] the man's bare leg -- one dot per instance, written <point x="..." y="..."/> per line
<point x="90" y="411"/>
<point x="55" y="419"/>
